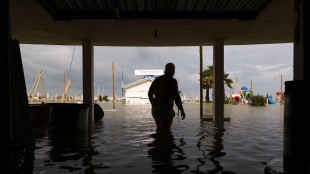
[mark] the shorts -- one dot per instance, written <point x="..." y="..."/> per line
<point x="161" y="113"/>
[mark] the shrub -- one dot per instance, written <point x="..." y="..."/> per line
<point x="105" y="98"/>
<point x="257" y="100"/>
<point x="226" y="100"/>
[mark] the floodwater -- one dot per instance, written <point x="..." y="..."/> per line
<point x="125" y="142"/>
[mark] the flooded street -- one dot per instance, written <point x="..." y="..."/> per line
<point x="125" y="142"/>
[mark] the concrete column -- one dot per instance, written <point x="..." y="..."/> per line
<point x="201" y="82"/>
<point x="298" y="52"/>
<point x="218" y="81"/>
<point x="4" y="70"/>
<point x="88" y="77"/>
<point x="305" y="40"/>
<point x="301" y="40"/>
<point x="296" y="146"/>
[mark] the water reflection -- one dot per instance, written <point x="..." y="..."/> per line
<point x="164" y="153"/>
<point x="121" y="143"/>
<point x="71" y="153"/>
<point x="18" y="160"/>
<point x="210" y="143"/>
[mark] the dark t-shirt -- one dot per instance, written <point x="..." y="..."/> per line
<point x="163" y="91"/>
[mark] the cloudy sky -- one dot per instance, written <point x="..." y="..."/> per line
<point x="263" y="64"/>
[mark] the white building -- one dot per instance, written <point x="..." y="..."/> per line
<point x="136" y="92"/>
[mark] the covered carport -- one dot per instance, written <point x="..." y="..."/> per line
<point x="159" y="23"/>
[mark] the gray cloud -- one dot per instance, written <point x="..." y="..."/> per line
<point x="263" y="64"/>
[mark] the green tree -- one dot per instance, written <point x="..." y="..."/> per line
<point x="105" y="98"/>
<point x="207" y="76"/>
<point x="227" y="81"/>
<point x="207" y="79"/>
<point x="180" y="92"/>
<point x="100" y="98"/>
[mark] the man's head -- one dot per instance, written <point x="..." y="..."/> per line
<point x="169" y="69"/>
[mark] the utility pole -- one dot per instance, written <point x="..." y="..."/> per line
<point x="281" y="92"/>
<point x="113" y="85"/>
<point x="251" y="92"/>
<point x="64" y="84"/>
<point x="122" y="84"/>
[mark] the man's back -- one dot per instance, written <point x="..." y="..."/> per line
<point x="164" y="88"/>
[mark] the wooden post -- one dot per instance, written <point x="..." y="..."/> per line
<point x="113" y="85"/>
<point x="281" y="92"/>
<point x="251" y="86"/>
<point x="64" y="84"/>
<point x="42" y="88"/>
<point x="69" y="85"/>
<point x="251" y="90"/>
<point x="34" y="84"/>
<point x="201" y="83"/>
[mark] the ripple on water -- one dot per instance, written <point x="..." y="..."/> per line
<point x="124" y="142"/>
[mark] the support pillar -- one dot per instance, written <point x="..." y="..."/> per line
<point x="296" y="146"/>
<point x="218" y="81"/>
<point x="88" y="77"/>
<point x="201" y="82"/>
<point x="4" y="70"/>
<point x="301" y="40"/>
<point x="298" y="49"/>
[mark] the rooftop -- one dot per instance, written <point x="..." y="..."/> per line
<point x="138" y="82"/>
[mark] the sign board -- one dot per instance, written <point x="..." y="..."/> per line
<point x="149" y="72"/>
<point x="145" y="76"/>
<point x="279" y="93"/>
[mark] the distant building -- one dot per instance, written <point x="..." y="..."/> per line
<point x="278" y="97"/>
<point x="136" y="92"/>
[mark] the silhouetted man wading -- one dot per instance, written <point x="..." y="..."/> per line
<point x="162" y="94"/>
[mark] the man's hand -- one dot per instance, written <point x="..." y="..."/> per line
<point x="183" y="115"/>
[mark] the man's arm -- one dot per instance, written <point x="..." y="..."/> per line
<point x="178" y="101"/>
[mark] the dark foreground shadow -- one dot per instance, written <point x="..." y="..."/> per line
<point x="18" y="161"/>
<point x="77" y="148"/>
<point x="74" y="152"/>
<point x="165" y="153"/>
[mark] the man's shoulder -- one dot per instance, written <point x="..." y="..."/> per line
<point x="157" y="78"/>
<point x="174" y="80"/>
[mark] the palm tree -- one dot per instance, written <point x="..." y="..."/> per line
<point x="208" y="81"/>
<point x="228" y="82"/>
<point x="207" y="76"/>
